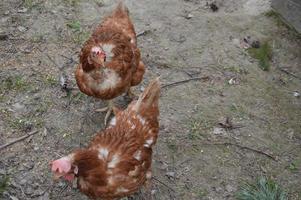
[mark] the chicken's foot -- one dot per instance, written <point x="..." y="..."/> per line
<point x="109" y="110"/>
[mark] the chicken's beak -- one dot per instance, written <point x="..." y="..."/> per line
<point x="57" y="176"/>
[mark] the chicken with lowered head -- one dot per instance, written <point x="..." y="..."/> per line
<point x="118" y="161"/>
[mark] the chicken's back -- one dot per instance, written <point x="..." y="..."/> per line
<point x="126" y="146"/>
<point x="120" y="20"/>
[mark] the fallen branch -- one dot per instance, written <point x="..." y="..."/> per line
<point x="243" y="147"/>
<point x="289" y="73"/>
<point x="185" y="81"/>
<point x="143" y="33"/>
<point x="18" y="139"/>
<point x="163" y="183"/>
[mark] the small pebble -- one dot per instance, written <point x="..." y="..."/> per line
<point x="189" y="16"/>
<point x="22" y="10"/>
<point x="218" y="131"/>
<point x="236" y="42"/>
<point x="296" y="94"/>
<point x="44" y="197"/>
<point x="230" y="188"/>
<point x="2" y="172"/>
<point x="23" y="181"/>
<point x="232" y="81"/>
<point x="44" y="132"/>
<point x="13" y="198"/>
<point x="21" y="28"/>
<point x="170" y="174"/>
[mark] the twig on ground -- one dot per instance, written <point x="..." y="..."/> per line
<point x="205" y="78"/>
<point x="62" y="190"/>
<point x="243" y="147"/>
<point x="18" y="139"/>
<point x="163" y="183"/>
<point x="143" y="33"/>
<point x="289" y="73"/>
<point x="190" y="74"/>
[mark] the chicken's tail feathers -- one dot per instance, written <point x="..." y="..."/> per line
<point x="121" y="10"/>
<point x="150" y="97"/>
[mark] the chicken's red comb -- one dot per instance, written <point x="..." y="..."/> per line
<point x="62" y="165"/>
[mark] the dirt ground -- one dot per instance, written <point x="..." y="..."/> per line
<point x="194" y="157"/>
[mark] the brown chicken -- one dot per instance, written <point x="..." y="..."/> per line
<point x="118" y="161"/>
<point x="110" y="60"/>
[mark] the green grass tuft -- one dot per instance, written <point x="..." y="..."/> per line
<point x="271" y="13"/>
<point x="3" y="184"/>
<point x="263" y="55"/>
<point x="263" y="189"/>
<point x="16" y="83"/>
<point x="72" y="2"/>
<point x="50" y="80"/>
<point x="79" y="36"/>
<point x="277" y="17"/>
<point x="28" y="3"/>
<point x="74" y="25"/>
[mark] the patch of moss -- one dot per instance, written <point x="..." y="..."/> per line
<point x="263" y="55"/>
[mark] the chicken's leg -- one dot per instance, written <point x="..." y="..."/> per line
<point x="109" y="110"/>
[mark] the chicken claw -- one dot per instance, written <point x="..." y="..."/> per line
<point x="109" y="110"/>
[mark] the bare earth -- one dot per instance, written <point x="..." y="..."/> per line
<point x="184" y="39"/>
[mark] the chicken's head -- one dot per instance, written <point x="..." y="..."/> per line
<point x="97" y="56"/>
<point x="63" y="167"/>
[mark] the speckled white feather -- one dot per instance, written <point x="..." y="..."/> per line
<point x="110" y="81"/>
<point x="103" y="153"/>
<point x="149" y="142"/>
<point x="137" y="155"/>
<point x="114" y="161"/>
<point x="108" y="49"/>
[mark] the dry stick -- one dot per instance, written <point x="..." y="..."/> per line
<point x="62" y="190"/>
<point x="142" y="33"/>
<point x="244" y="147"/>
<point x="18" y="139"/>
<point x="163" y="184"/>
<point x="289" y="73"/>
<point x="185" y="81"/>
